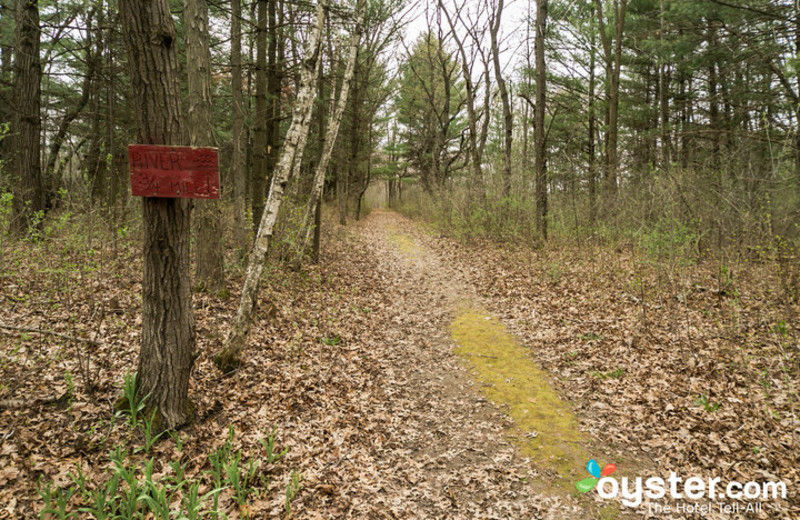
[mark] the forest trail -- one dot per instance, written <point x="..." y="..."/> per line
<point x="455" y="355"/>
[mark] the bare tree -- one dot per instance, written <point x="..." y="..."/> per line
<point x="474" y="135"/>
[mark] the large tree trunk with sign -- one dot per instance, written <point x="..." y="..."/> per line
<point x="168" y="337"/>
<point x="210" y="274"/>
<point x="292" y="150"/>
<point x="29" y="196"/>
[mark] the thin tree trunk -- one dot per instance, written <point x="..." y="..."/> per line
<point x="540" y="146"/>
<point x="592" y="133"/>
<point x="262" y="115"/>
<point x="92" y="57"/>
<point x="238" y="172"/>
<point x="29" y="197"/>
<point x="208" y="219"/>
<point x="508" y="118"/>
<point x="96" y="163"/>
<point x="334" y="121"/>
<point x="293" y="147"/>
<point x="613" y="59"/>
<point x="114" y="172"/>
<point x="274" y="80"/>
<point x="472" y="120"/>
<point x="663" y="103"/>
<point x="168" y="333"/>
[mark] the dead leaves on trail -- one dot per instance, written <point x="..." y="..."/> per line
<point x="660" y="366"/>
<point x="352" y="367"/>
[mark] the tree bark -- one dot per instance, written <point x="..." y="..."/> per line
<point x="168" y="335"/>
<point x="210" y="274"/>
<point x="540" y="146"/>
<point x="29" y="196"/>
<point x="96" y="163"/>
<point x="292" y="150"/>
<point x="613" y="59"/>
<point x="238" y="156"/>
<point x="6" y="80"/>
<point x="475" y="151"/>
<point x="508" y="118"/>
<point x="93" y="57"/>
<point x="259" y="172"/>
<point x="334" y="121"/>
<point x="274" y="80"/>
<point x="592" y="132"/>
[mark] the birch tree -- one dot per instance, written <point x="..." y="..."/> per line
<point x="335" y="120"/>
<point x="292" y="150"/>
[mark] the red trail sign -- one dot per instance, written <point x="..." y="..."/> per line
<point x="174" y="171"/>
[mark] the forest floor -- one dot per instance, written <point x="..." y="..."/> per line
<point x="397" y="373"/>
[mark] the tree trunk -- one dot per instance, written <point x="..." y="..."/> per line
<point x="6" y="80"/>
<point x="96" y="162"/>
<point x="210" y="273"/>
<point x="92" y="60"/>
<point x="168" y="335"/>
<point x="259" y="172"/>
<point x="238" y="171"/>
<point x="475" y="155"/>
<point x="663" y="102"/>
<point x="508" y="118"/>
<point x="274" y="80"/>
<point x="114" y="171"/>
<point x="592" y="133"/>
<point x="293" y="147"/>
<point x="540" y="146"/>
<point x="334" y="121"/>
<point x="613" y="59"/>
<point x="29" y="196"/>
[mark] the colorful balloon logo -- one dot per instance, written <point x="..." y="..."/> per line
<point x="588" y="484"/>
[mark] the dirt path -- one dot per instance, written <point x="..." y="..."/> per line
<point x="456" y="460"/>
<point x="502" y="419"/>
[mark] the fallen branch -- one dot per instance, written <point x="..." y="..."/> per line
<point x="479" y="355"/>
<point x="12" y="404"/>
<point x="51" y="333"/>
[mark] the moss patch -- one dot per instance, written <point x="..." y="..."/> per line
<point x="406" y="244"/>
<point x="544" y="427"/>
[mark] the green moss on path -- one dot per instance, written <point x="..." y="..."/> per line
<point x="545" y="429"/>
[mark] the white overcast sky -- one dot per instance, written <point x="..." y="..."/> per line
<point x="512" y="28"/>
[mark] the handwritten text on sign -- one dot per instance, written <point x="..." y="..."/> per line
<point x="174" y="171"/>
